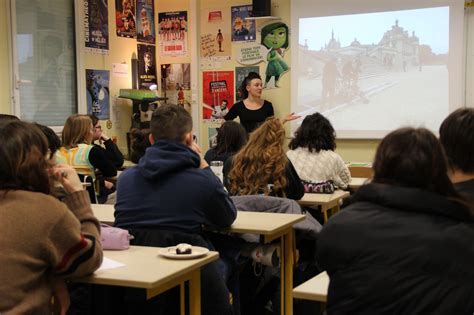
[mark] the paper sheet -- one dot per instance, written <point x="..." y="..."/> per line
<point x="108" y="263"/>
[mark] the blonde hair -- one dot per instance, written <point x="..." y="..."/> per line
<point x="77" y="129"/>
<point x="260" y="162"/>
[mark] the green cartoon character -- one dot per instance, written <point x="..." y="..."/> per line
<point x="275" y="38"/>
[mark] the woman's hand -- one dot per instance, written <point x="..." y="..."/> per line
<point x="290" y="117"/>
<point x="67" y="177"/>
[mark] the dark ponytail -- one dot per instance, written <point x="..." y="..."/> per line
<point x="243" y="87"/>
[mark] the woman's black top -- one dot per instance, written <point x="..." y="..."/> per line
<point x="250" y="119"/>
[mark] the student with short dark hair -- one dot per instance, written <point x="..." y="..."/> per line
<point x="172" y="193"/>
<point x="404" y="245"/>
<point x="457" y="137"/>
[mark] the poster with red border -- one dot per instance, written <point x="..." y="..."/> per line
<point x="218" y="94"/>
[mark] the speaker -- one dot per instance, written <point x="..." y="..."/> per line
<point x="261" y="8"/>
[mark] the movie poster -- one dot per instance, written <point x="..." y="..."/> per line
<point x="242" y="29"/>
<point x="176" y="84"/>
<point x="125" y="21"/>
<point x="145" y="21"/>
<point x="97" y="86"/>
<point x="218" y="94"/>
<point x="215" y="37"/>
<point x="146" y="66"/>
<point x="240" y="74"/>
<point x="173" y="33"/>
<point x="96" y="26"/>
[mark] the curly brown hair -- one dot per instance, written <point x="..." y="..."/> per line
<point x="262" y="161"/>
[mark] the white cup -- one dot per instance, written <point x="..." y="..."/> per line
<point x="216" y="167"/>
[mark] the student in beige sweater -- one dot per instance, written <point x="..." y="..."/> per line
<point x="42" y="239"/>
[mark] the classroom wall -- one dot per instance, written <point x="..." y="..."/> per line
<point x="122" y="50"/>
<point x="280" y="97"/>
<point x="5" y="73"/>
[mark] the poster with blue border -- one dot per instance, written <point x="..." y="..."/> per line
<point x="145" y="21"/>
<point x="243" y="29"/>
<point x="98" y="96"/>
<point x="96" y="26"/>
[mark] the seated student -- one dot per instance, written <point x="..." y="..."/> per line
<point x="261" y="166"/>
<point x="172" y="193"/>
<point x="312" y="152"/>
<point x="113" y="152"/>
<point x="457" y="137"/>
<point x="230" y="138"/>
<point x="78" y="152"/>
<point x="139" y="142"/>
<point x="404" y="246"/>
<point x="43" y="240"/>
<point x="4" y="118"/>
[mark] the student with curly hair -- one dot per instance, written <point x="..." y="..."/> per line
<point x="261" y="166"/>
<point x="312" y="152"/>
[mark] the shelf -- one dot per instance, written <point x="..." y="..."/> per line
<point x="262" y="18"/>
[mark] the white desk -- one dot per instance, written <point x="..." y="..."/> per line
<point x="145" y="269"/>
<point x="356" y="182"/>
<point x="104" y="213"/>
<point x="315" y="289"/>
<point x="272" y="226"/>
<point x="269" y="225"/>
<point x="326" y="201"/>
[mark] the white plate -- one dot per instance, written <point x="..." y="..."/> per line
<point x="196" y="251"/>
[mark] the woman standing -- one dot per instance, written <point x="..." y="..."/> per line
<point x="404" y="246"/>
<point x="253" y="110"/>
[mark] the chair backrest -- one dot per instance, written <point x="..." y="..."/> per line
<point x="90" y="186"/>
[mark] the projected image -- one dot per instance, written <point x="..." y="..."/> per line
<point x="387" y="69"/>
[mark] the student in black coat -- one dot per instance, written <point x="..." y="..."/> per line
<point x="457" y="137"/>
<point x="405" y="244"/>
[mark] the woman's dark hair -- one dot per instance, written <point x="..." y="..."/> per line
<point x="315" y="133"/>
<point x="54" y="143"/>
<point x="457" y="137"/>
<point x="4" y="118"/>
<point x="139" y="141"/>
<point x="243" y="86"/>
<point x="23" y="158"/>
<point x="412" y="157"/>
<point x="230" y="138"/>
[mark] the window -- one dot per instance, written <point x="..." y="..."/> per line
<point x="44" y="54"/>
